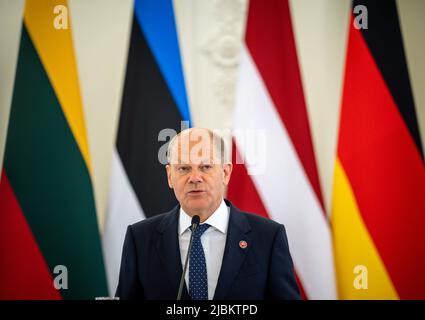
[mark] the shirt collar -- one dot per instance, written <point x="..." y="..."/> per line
<point x="219" y="219"/>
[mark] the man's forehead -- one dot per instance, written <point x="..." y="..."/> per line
<point x="189" y="161"/>
<point x="189" y="144"/>
<point x="198" y="137"/>
<point x="187" y="157"/>
<point x="183" y="155"/>
<point x="196" y="146"/>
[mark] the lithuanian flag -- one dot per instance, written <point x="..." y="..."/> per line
<point x="378" y="215"/>
<point x="47" y="211"/>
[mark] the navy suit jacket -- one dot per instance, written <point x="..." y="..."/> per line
<point x="151" y="265"/>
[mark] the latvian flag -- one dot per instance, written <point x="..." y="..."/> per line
<point x="154" y="99"/>
<point x="284" y="185"/>
<point x="47" y="210"/>
<point x="378" y="214"/>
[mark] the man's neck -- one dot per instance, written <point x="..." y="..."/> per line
<point x="203" y="214"/>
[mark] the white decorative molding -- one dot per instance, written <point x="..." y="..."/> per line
<point x="222" y="47"/>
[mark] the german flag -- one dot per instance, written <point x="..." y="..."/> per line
<point x="47" y="209"/>
<point x="378" y="213"/>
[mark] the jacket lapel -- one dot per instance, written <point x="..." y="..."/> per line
<point x="169" y="251"/>
<point x="234" y="255"/>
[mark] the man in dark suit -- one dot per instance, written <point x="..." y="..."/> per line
<point x="235" y="255"/>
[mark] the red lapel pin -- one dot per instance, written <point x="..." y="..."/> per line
<point x="243" y="244"/>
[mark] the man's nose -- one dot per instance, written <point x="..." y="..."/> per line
<point x="195" y="176"/>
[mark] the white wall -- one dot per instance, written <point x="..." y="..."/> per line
<point x="412" y="20"/>
<point x="211" y="35"/>
<point x="10" y="32"/>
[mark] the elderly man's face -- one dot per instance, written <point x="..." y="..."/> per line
<point x="196" y="173"/>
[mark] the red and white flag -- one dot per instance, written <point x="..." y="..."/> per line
<point x="272" y="134"/>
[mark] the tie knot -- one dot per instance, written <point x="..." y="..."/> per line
<point x="200" y="229"/>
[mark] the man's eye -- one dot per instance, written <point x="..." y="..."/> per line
<point x="183" y="169"/>
<point x="206" y="167"/>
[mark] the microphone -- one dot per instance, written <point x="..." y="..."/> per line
<point x="195" y="223"/>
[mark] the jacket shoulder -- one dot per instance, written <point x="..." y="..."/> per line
<point x="152" y="223"/>
<point x="254" y="220"/>
<point x="261" y="222"/>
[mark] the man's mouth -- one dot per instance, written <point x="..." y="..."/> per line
<point x="196" y="192"/>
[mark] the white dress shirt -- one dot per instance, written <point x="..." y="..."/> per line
<point x="213" y="241"/>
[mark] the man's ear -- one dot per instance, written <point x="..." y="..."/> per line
<point x="168" y="169"/>
<point x="227" y="172"/>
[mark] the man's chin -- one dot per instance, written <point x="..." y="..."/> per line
<point x="196" y="205"/>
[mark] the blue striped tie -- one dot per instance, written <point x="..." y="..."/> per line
<point x="198" y="281"/>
